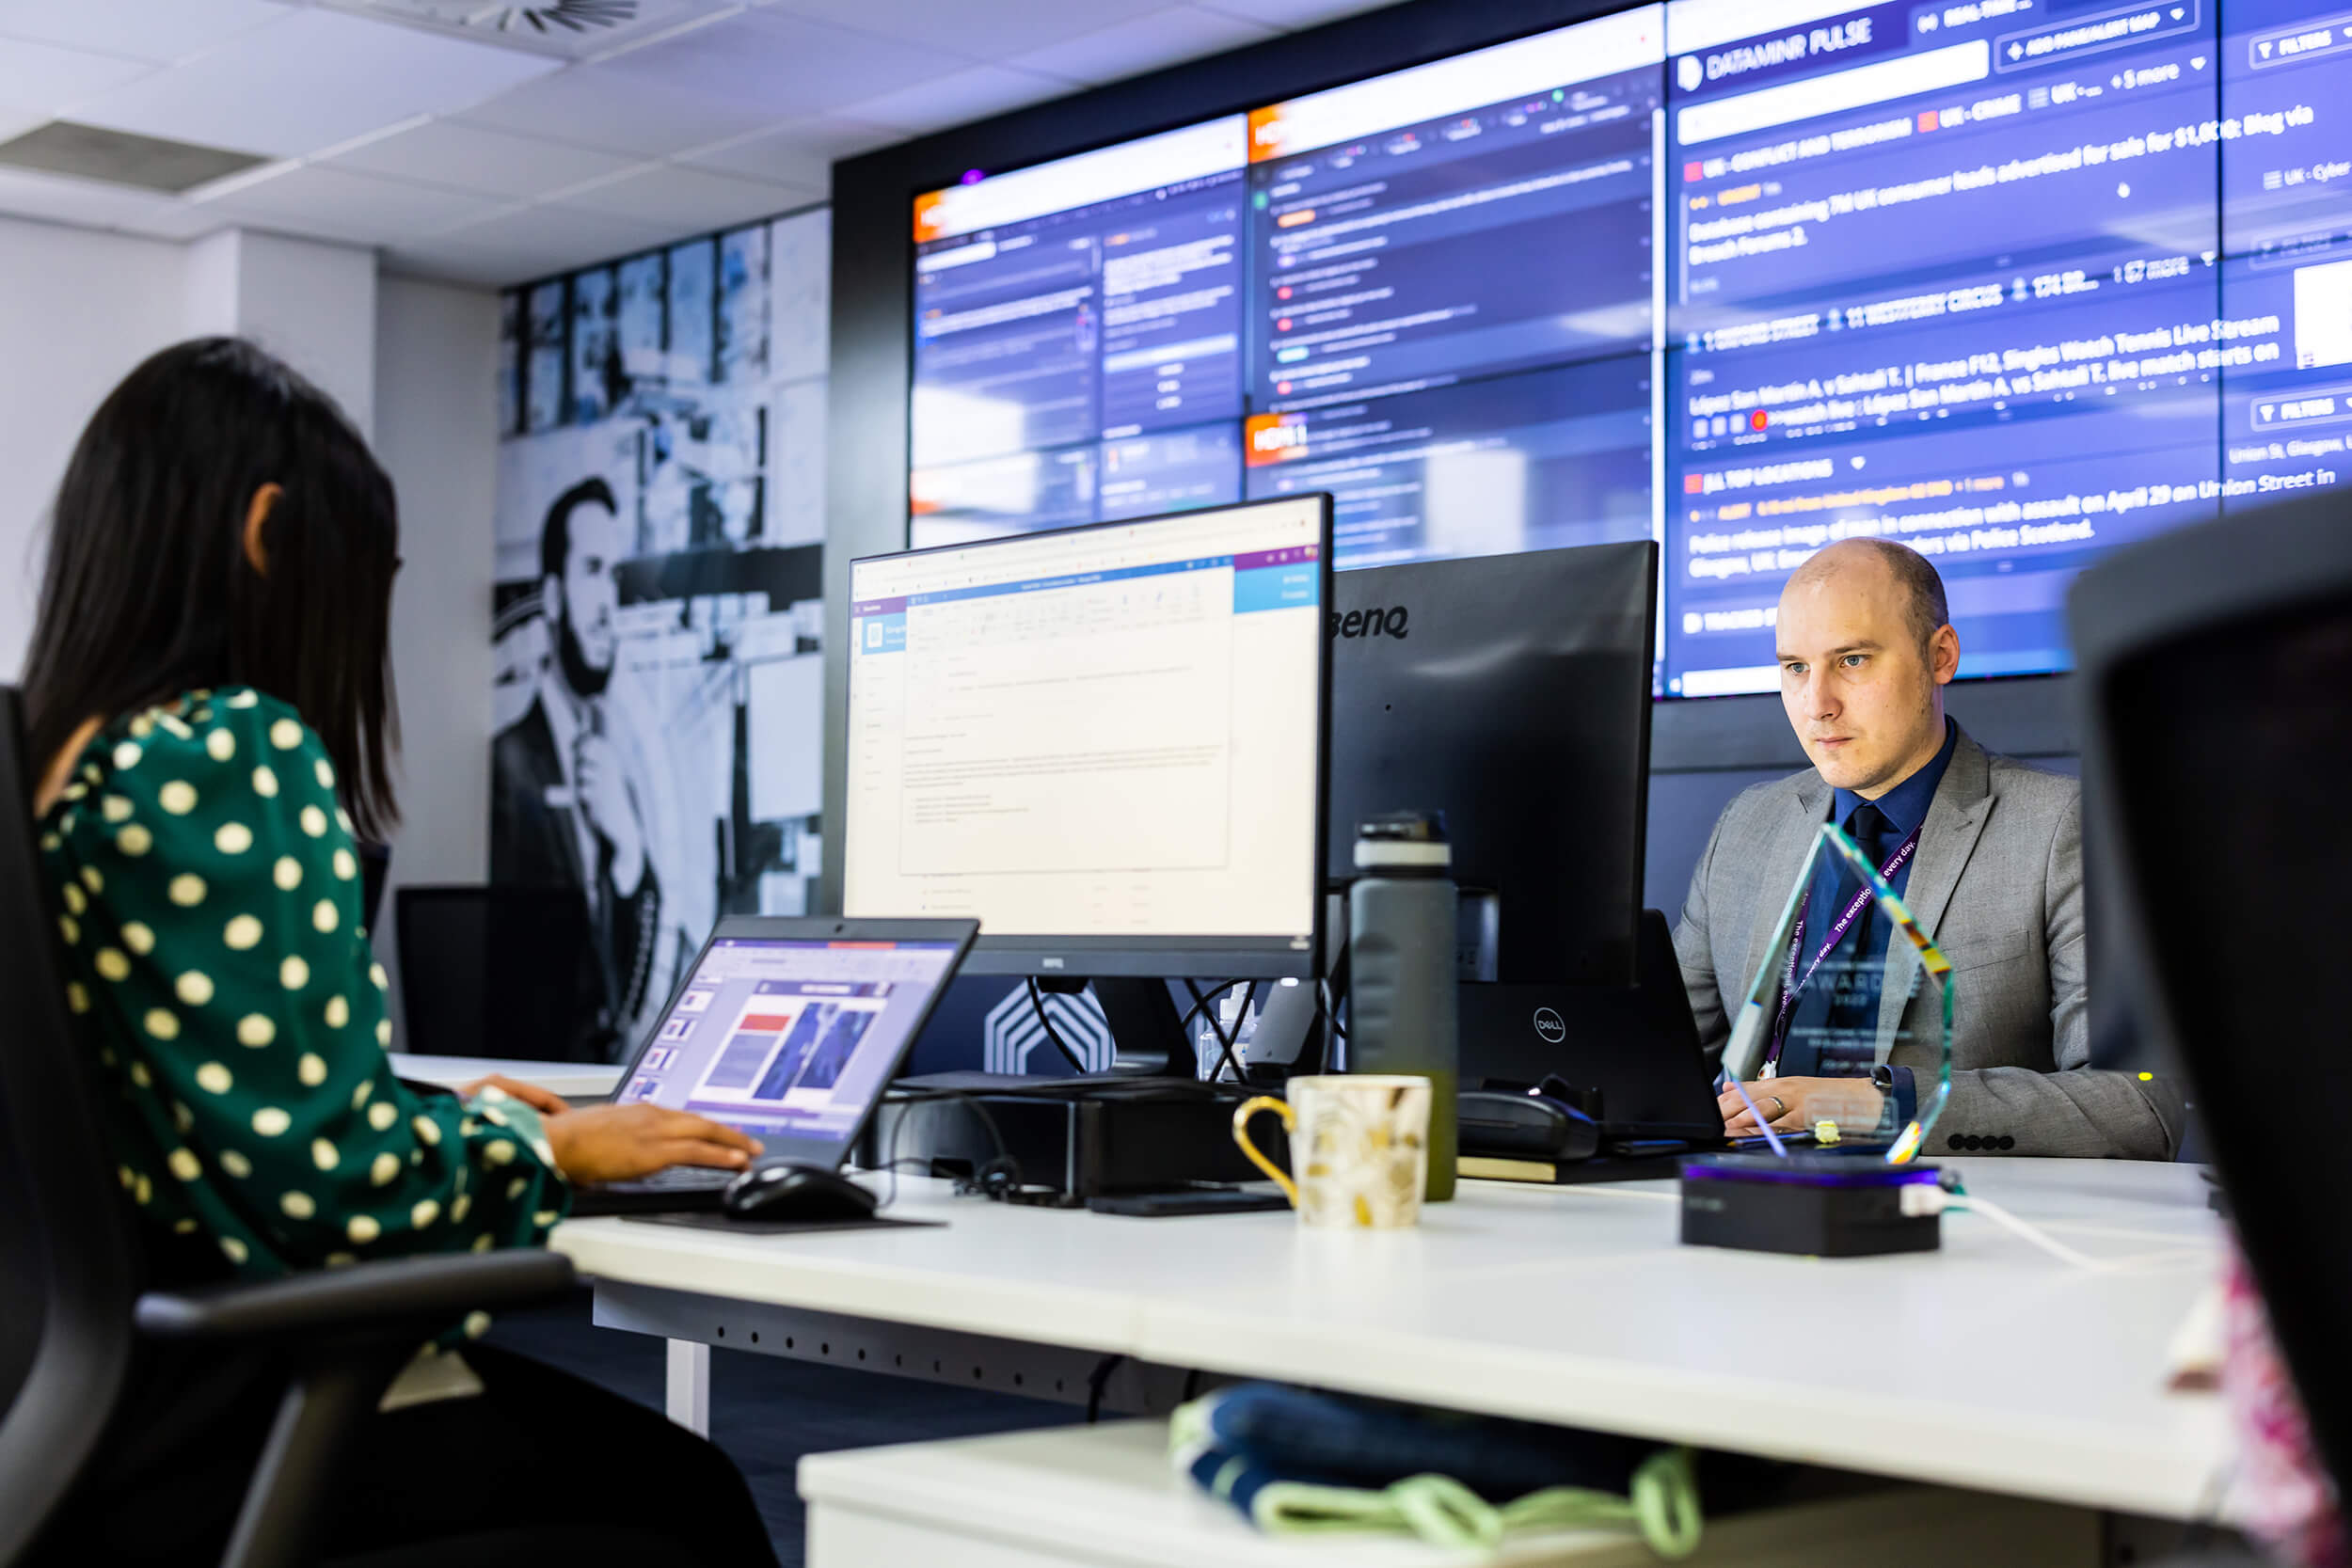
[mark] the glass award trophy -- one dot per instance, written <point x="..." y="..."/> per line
<point x="1816" y="1011"/>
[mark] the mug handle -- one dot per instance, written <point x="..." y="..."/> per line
<point x="1241" y="1135"/>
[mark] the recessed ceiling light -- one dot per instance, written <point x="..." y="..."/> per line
<point x="120" y="158"/>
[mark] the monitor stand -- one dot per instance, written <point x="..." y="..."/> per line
<point x="1148" y="1038"/>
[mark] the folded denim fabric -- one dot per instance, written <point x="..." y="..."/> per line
<point x="1367" y="1442"/>
<point x="1295" y="1462"/>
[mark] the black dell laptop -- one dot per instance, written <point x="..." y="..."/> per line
<point x="788" y="1029"/>
<point x="1636" y="1047"/>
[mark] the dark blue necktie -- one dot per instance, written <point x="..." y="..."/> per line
<point x="1835" y="1023"/>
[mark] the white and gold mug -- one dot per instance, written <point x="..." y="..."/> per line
<point x="1360" y="1147"/>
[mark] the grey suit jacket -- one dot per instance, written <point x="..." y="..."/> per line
<point x="1997" y="881"/>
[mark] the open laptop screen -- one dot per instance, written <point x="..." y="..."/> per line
<point x="790" y="1040"/>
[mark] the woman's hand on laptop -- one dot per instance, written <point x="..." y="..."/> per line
<point x="622" y="1143"/>
<point x="546" y="1102"/>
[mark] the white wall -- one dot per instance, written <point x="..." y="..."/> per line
<point x="78" y="308"/>
<point x="309" y="303"/>
<point x="435" y="400"/>
<point x="415" y="366"/>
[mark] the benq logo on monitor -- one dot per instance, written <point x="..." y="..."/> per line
<point x="1395" y="622"/>
<point x="1549" y="1026"/>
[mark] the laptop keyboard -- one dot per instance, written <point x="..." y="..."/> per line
<point x="681" y="1178"/>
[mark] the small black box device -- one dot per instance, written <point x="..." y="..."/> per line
<point x="1818" y="1205"/>
<point x="1084" y="1137"/>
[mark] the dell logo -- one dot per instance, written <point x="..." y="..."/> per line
<point x="1549" y="1027"/>
<point x="1395" y="622"/>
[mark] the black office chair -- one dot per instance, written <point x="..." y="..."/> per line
<point x="2216" y="680"/>
<point x="376" y="867"/>
<point x="72" y="1305"/>
<point x="498" y="971"/>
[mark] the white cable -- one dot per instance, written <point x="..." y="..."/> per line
<point x="2033" y="1233"/>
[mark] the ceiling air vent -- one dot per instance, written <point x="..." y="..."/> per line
<point x="119" y="158"/>
<point x="568" y="29"/>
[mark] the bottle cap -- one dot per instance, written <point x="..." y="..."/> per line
<point x="1404" y="840"/>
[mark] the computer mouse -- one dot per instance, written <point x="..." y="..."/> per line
<point x="795" y="1190"/>
<point x="1525" y="1127"/>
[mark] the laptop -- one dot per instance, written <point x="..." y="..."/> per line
<point x="788" y="1029"/>
<point x="1638" y="1046"/>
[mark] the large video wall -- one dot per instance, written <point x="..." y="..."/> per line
<point x="2012" y="281"/>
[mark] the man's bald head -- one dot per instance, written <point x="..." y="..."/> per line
<point x="1926" y="610"/>
<point x="1865" y="650"/>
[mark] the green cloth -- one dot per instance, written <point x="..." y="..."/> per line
<point x="208" y="892"/>
<point x="1663" y="1507"/>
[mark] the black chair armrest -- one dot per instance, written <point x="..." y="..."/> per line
<point x="397" y="1293"/>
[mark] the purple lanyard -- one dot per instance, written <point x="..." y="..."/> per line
<point x="1792" y="982"/>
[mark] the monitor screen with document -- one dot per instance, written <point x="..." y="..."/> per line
<point x="1107" y="743"/>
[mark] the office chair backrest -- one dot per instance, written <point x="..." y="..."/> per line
<point x="67" y="1254"/>
<point x="496" y="972"/>
<point x="2216" y="672"/>
<point x="375" y="868"/>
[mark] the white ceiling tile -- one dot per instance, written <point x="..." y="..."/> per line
<point x="308" y="81"/>
<point x="551" y="238"/>
<point x="590" y="107"/>
<point x="1291" y="15"/>
<point x="975" y="93"/>
<point x="471" y="158"/>
<point x="41" y="78"/>
<point x="799" y="154"/>
<point x="686" y="200"/>
<point x="984" y="32"/>
<point x="157" y="30"/>
<point x="335" y="204"/>
<point x="24" y="194"/>
<point x="1149" y="43"/>
<point x="782" y="67"/>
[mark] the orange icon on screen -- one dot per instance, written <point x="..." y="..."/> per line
<point x="1265" y="132"/>
<point x="1757" y="420"/>
<point x="928" y="220"/>
<point x="1266" y="439"/>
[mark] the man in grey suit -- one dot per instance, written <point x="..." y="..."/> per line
<point x="1986" y="853"/>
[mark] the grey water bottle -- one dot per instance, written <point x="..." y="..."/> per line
<point x="1401" y="999"/>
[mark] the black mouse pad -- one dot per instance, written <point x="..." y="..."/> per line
<point x="709" y="1221"/>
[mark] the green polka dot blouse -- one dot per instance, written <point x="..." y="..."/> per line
<point x="209" y="897"/>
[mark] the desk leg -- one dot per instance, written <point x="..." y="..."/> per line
<point x="688" y="1388"/>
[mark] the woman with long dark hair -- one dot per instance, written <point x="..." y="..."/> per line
<point x="208" y="696"/>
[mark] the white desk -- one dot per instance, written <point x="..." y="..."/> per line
<point x="1106" y="1496"/>
<point x="1986" y="1365"/>
<point x="572" y="1080"/>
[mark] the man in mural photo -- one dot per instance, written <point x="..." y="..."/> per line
<point x="566" y="810"/>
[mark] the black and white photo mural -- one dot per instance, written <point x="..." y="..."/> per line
<point x="659" y="696"/>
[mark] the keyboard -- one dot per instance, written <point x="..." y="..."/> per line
<point x="681" y="1189"/>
